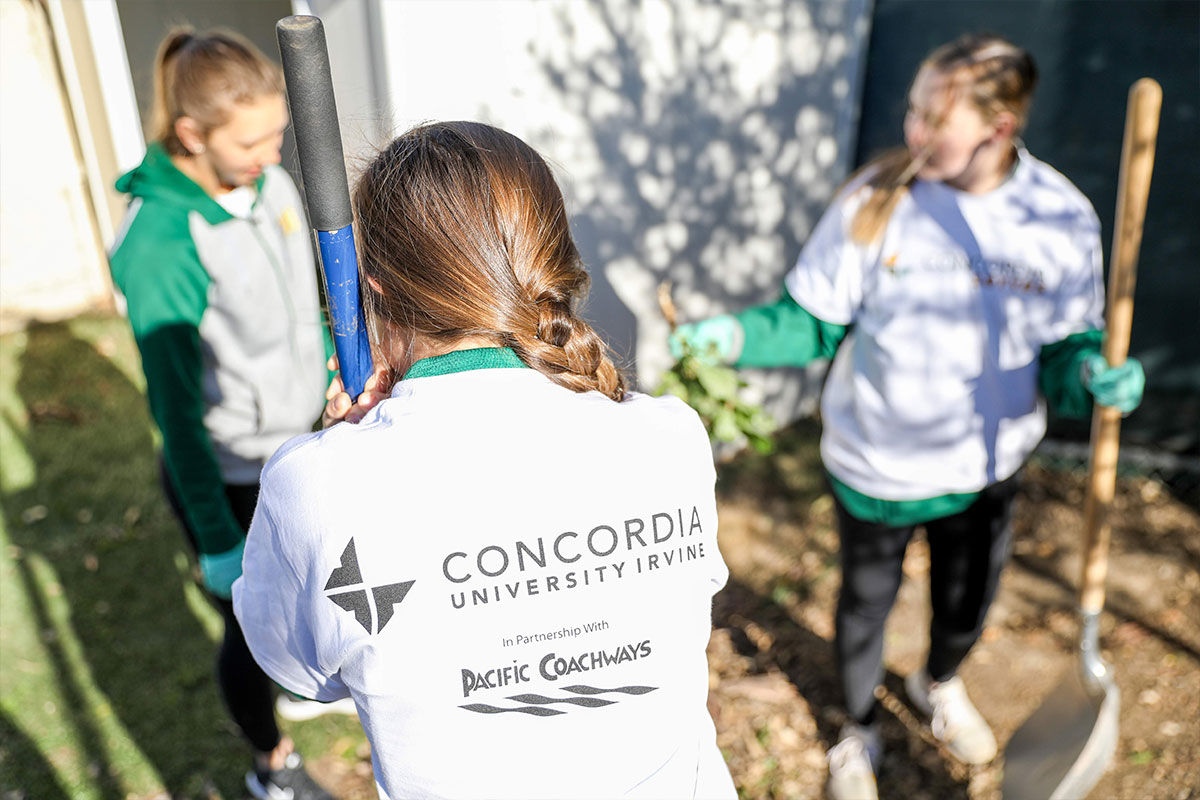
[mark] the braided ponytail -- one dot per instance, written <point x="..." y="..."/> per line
<point x="569" y="351"/>
<point x="464" y="232"/>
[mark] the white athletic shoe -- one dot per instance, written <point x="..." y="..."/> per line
<point x="299" y="709"/>
<point x="292" y="782"/>
<point x="955" y="721"/>
<point x="852" y="764"/>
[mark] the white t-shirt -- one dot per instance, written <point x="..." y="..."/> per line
<point x="935" y="390"/>
<point x="239" y="202"/>
<point x="513" y="581"/>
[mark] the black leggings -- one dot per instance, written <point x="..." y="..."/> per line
<point x="244" y="686"/>
<point x="967" y="552"/>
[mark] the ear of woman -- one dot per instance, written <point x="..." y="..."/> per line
<point x="1004" y="126"/>
<point x="190" y="134"/>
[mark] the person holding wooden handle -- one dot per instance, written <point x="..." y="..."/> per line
<point x="956" y="284"/>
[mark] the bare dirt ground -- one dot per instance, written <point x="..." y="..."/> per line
<point x="774" y="693"/>
<point x="773" y="689"/>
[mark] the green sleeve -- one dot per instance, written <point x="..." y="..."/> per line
<point x="1059" y="369"/>
<point x="327" y="339"/>
<point x="166" y="288"/>
<point x="785" y="334"/>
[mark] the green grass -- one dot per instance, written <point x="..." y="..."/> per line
<point x="106" y="645"/>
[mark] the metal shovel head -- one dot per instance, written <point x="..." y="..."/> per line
<point x="1062" y="749"/>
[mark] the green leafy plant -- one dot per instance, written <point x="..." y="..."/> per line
<point x="714" y="390"/>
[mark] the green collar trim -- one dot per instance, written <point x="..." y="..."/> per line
<point x="157" y="176"/>
<point x="465" y="360"/>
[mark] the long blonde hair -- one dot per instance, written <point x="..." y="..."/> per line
<point x="996" y="75"/>
<point x="465" y="233"/>
<point x="203" y="76"/>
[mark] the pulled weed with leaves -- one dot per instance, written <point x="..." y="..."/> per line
<point x="714" y="390"/>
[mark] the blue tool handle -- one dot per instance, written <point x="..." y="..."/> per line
<point x="305" y="59"/>
<point x="339" y="262"/>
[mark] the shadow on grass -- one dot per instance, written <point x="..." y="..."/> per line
<point x="75" y="712"/>
<point x="95" y="514"/>
<point x="22" y="765"/>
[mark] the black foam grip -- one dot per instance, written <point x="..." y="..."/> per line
<point x="305" y="61"/>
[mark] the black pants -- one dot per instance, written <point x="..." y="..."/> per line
<point x="245" y="688"/>
<point x="967" y="552"/>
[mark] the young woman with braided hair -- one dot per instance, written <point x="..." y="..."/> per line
<point x="507" y="545"/>
<point x="956" y="283"/>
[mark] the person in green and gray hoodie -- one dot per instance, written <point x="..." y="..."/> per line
<point x="956" y="284"/>
<point x="215" y="264"/>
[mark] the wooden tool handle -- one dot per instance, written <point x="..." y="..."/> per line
<point x="1137" y="164"/>
<point x="667" y="305"/>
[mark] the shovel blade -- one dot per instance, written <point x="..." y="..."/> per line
<point x="1064" y="746"/>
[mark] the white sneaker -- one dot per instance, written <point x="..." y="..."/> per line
<point x="955" y="721"/>
<point x="292" y="782"/>
<point x="298" y="709"/>
<point x="852" y="764"/>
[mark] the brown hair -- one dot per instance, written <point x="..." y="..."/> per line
<point x="996" y="75"/>
<point x="464" y="231"/>
<point x="203" y="76"/>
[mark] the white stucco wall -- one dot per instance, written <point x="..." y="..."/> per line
<point x="697" y="142"/>
<point x="51" y="257"/>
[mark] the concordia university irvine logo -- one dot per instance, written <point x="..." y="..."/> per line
<point x="386" y="597"/>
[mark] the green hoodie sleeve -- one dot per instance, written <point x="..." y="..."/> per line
<point x="158" y="270"/>
<point x="1059" y="373"/>
<point x="327" y="339"/>
<point x="785" y="334"/>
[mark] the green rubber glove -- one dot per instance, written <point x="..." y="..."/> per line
<point x="1120" y="387"/>
<point x="220" y="570"/>
<point x="717" y="340"/>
